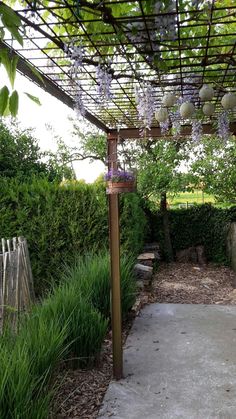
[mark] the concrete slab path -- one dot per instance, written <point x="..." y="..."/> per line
<point x="179" y="362"/>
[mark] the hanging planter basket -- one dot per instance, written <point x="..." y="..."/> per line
<point x="120" y="181"/>
<point x="120" y="187"/>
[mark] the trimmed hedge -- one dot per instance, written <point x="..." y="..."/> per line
<point x="61" y="221"/>
<point x="203" y="224"/>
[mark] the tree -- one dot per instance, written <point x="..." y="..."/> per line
<point x="159" y="172"/>
<point x="90" y="144"/>
<point x="214" y="167"/>
<point x="20" y="156"/>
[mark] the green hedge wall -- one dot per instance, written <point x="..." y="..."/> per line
<point x="203" y="224"/>
<point x="61" y="221"/>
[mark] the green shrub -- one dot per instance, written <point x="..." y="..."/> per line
<point x="199" y="225"/>
<point x="62" y="221"/>
<point x="91" y="274"/>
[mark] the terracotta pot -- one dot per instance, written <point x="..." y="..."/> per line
<point x="120" y="187"/>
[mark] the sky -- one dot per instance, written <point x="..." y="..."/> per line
<point x="52" y="113"/>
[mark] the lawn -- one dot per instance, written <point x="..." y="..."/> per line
<point x="185" y="199"/>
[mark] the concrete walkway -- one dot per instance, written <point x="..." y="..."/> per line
<point x="179" y="362"/>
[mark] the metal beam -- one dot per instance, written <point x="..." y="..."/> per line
<point x="155" y="132"/>
<point x="27" y="70"/>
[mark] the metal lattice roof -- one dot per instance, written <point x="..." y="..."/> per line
<point x="174" y="46"/>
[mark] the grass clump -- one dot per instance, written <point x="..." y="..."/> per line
<point x="65" y="326"/>
<point x="91" y="277"/>
<point x="86" y="326"/>
<point x="25" y="390"/>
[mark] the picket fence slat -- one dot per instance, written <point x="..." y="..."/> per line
<point x="16" y="280"/>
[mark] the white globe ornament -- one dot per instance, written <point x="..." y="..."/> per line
<point x="208" y="109"/>
<point x="228" y="101"/>
<point x="161" y="115"/>
<point x="187" y="109"/>
<point x="206" y="92"/>
<point x="169" y="100"/>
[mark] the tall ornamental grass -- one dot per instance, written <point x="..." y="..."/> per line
<point x="26" y="368"/>
<point x="86" y="326"/>
<point x="90" y="275"/>
<point x="66" y="325"/>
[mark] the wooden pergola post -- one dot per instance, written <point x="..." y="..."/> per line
<point x="114" y="230"/>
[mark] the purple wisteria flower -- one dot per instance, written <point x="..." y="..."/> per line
<point x="176" y="124"/>
<point x="145" y="105"/>
<point x="190" y="89"/>
<point x="223" y="126"/>
<point x="104" y="79"/>
<point x="75" y="53"/>
<point x="79" y="104"/>
<point x="196" y="131"/>
<point x="165" y="126"/>
<point x="116" y="175"/>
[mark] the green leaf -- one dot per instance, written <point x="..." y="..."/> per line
<point x="10" y="17"/>
<point x="14" y="32"/>
<point x="10" y="64"/>
<point x="36" y="72"/>
<point x="4" y="95"/>
<point x="33" y="98"/>
<point x="5" y="60"/>
<point x="14" y="103"/>
<point x="12" y="76"/>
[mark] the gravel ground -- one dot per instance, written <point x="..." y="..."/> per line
<point x="81" y="392"/>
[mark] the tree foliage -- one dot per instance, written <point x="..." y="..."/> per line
<point x="21" y="157"/>
<point x="214" y="168"/>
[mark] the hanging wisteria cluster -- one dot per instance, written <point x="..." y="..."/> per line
<point x="79" y="104"/>
<point x="165" y="126"/>
<point x="176" y="125"/>
<point x="104" y="79"/>
<point x="145" y="105"/>
<point x="76" y="53"/>
<point x="196" y="131"/>
<point x="223" y="126"/>
<point x="190" y="89"/>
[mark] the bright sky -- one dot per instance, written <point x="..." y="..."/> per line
<point x="53" y="113"/>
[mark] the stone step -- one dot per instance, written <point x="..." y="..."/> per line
<point x="147" y="256"/>
<point x="143" y="268"/>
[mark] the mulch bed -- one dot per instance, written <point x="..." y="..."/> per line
<point x="81" y="391"/>
<point x="187" y="283"/>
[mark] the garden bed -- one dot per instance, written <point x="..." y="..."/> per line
<point x="82" y="391"/>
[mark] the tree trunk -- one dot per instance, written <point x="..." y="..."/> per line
<point x="166" y="228"/>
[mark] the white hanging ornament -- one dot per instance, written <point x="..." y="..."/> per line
<point x="228" y="101"/>
<point x="161" y="115"/>
<point x="187" y="109"/>
<point x="169" y="100"/>
<point x="208" y="109"/>
<point x="206" y="92"/>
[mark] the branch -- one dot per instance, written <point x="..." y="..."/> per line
<point x="80" y="157"/>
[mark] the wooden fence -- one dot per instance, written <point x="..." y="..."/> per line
<point x="16" y="281"/>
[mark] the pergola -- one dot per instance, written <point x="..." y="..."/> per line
<point x="97" y="56"/>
